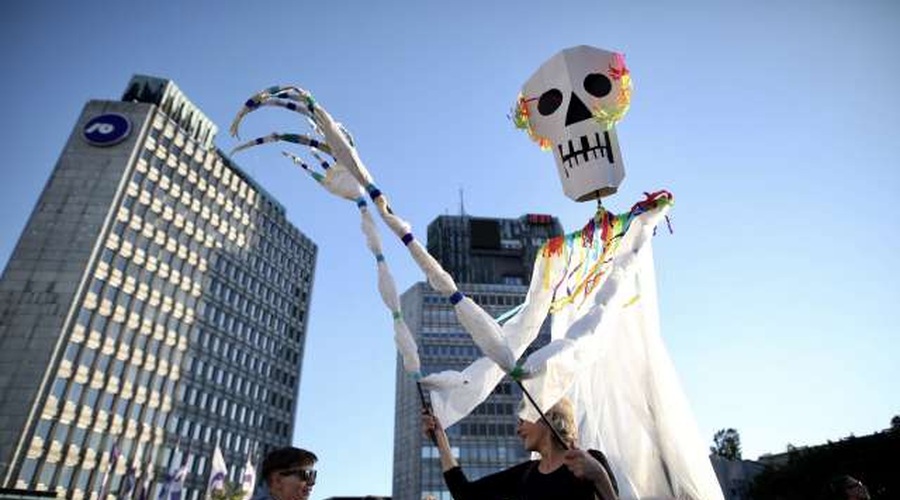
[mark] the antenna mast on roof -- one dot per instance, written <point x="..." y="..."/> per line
<point x="462" y="205"/>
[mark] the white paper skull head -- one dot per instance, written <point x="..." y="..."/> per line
<point x="570" y="106"/>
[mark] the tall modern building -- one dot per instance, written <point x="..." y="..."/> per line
<point x="491" y="261"/>
<point x="155" y="304"/>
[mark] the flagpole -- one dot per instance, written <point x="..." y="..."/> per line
<point x="426" y="407"/>
<point x="212" y="480"/>
<point x="248" y="475"/>
<point x="129" y="482"/>
<point x="169" y="478"/>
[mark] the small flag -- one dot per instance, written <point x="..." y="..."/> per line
<point x="129" y="482"/>
<point x="171" y="488"/>
<point x="126" y="491"/>
<point x="143" y="492"/>
<point x="248" y="479"/>
<point x="217" y="473"/>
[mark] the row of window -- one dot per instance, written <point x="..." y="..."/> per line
<point x="212" y="406"/>
<point x="487" y="429"/>
<point x="184" y="211"/>
<point x="245" y="308"/>
<point x="108" y="376"/>
<point x="113" y="375"/>
<point x="158" y="222"/>
<point x="242" y="370"/>
<point x="173" y="187"/>
<point x="138" y="306"/>
<point x="444" y="332"/>
<point x="245" y="357"/>
<point x="240" y="298"/>
<point x="494" y="408"/>
<point x="209" y="166"/>
<point x="197" y="169"/>
<point x="476" y="453"/>
<point x="281" y="235"/>
<point x="152" y="253"/>
<point x="456" y="351"/>
<point x="260" y="336"/>
<point x="265" y="275"/>
<point x="245" y="324"/>
<point x="440" y="316"/>
<point x="132" y="340"/>
<point x="289" y="257"/>
<point x="480" y="299"/>
<point x="138" y="365"/>
<point x="236" y="385"/>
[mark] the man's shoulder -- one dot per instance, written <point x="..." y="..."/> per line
<point x="262" y="493"/>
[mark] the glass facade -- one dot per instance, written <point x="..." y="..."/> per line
<point x="491" y="260"/>
<point x="189" y="322"/>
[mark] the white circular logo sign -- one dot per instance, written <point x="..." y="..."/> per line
<point x="106" y="130"/>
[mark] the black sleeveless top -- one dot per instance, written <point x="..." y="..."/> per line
<point x="525" y="482"/>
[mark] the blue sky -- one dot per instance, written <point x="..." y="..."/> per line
<point x="775" y="124"/>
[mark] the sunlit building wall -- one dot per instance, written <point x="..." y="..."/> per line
<point x="491" y="260"/>
<point x="155" y="304"/>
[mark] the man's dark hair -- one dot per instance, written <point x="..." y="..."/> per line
<point x="286" y="458"/>
<point x="836" y="487"/>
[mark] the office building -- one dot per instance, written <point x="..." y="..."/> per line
<point x="491" y="260"/>
<point x="155" y="304"/>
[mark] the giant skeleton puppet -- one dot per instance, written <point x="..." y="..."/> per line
<point x="598" y="283"/>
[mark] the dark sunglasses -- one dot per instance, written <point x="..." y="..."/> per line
<point x="308" y="475"/>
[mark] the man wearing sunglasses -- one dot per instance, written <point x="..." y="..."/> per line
<point x="845" y="487"/>
<point x="288" y="474"/>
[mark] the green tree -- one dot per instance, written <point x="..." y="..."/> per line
<point x="232" y="491"/>
<point x="871" y="459"/>
<point x="727" y="444"/>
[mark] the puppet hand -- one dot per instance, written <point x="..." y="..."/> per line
<point x="328" y="136"/>
<point x="341" y="146"/>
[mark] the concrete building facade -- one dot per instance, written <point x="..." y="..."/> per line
<point x="491" y="259"/>
<point x="155" y="304"/>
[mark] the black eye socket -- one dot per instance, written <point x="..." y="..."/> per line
<point x="549" y="101"/>
<point x="597" y="84"/>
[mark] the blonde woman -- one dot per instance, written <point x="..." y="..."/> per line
<point x="560" y="473"/>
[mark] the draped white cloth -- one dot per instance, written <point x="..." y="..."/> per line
<point x="607" y="356"/>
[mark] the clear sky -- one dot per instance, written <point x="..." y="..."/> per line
<point x="775" y="124"/>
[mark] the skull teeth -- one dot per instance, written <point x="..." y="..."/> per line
<point x="584" y="150"/>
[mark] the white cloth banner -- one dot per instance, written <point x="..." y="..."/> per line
<point x="217" y="473"/>
<point x="248" y="479"/>
<point x="607" y="356"/>
<point x="174" y="483"/>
